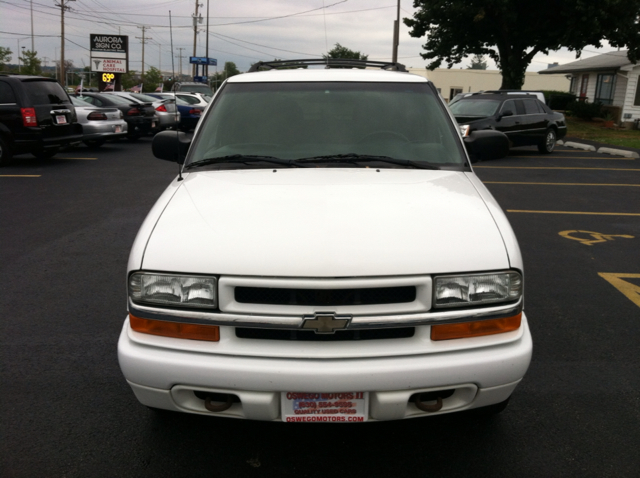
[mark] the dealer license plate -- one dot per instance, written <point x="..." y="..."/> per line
<point x="118" y="129"/>
<point x="325" y="407"/>
<point x="61" y="119"/>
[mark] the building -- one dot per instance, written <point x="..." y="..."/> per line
<point x="611" y="79"/>
<point x="450" y="82"/>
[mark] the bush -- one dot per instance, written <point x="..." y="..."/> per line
<point x="558" y="100"/>
<point x="584" y="110"/>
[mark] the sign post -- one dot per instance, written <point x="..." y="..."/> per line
<point x="110" y="56"/>
<point x="201" y="61"/>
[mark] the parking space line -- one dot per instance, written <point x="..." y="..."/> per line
<point x="20" y="175"/>
<point x="585" y="213"/>
<point x="561" y="184"/>
<point x="571" y="157"/>
<point x="630" y="290"/>
<point x="78" y="158"/>
<point x="551" y="167"/>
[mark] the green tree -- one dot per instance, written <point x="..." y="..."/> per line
<point x="31" y="64"/>
<point x="152" y="79"/>
<point x="5" y="56"/>
<point x="512" y="32"/>
<point x="343" y="52"/>
<point x="477" y="63"/>
<point x="230" y="69"/>
<point x="130" y="79"/>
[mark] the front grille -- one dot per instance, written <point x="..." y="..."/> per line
<point x="311" y="336"/>
<point x="325" y="297"/>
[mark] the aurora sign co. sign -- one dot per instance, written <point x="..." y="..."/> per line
<point x="109" y="53"/>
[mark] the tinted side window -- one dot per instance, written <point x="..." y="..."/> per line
<point x="45" y="93"/>
<point x="509" y="106"/>
<point x="6" y="93"/>
<point x="519" y="107"/>
<point x="531" y="107"/>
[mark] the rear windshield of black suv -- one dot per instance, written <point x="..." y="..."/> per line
<point x="45" y="93"/>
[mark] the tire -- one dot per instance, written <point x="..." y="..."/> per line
<point x="490" y="410"/>
<point x="94" y="143"/>
<point x="5" y="152"/>
<point x="548" y="143"/>
<point x="46" y="154"/>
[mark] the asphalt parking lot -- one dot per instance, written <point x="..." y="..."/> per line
<point x="68" y="224"/>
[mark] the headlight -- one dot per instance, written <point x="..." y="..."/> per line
<point x="173" y="290"/>
<point x="476" y="289"/>
<point x="464" y="130"/>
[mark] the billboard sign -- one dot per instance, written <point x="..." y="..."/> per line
<point x="109" y="53"/>
<point x="203" y="60"/>
<point x="108" y="65"/>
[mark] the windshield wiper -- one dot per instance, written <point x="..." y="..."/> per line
<point x="244" y="159"/>
<point x="366" y="158"/>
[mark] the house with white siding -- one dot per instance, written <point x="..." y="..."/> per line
<point x="611" y="79"/>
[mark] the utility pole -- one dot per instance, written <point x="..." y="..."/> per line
<point x="206" y="68"/>
<point x="33" y="48"/>
<point x="144" y="40"/>
<point x="396" y="36"/>
<point x="180" y="61"/>
<point x="63" y="6"/>
<point x="196" y="20"/>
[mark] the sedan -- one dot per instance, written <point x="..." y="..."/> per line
<point x="140" y="118"/>
<point x="99" y="124"/>
<point x="189" y="114"/>
<point x="524" y="119"/>
<point x="168" y="116"/>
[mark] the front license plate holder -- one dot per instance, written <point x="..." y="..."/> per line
<point x="61" y="119"/>
<point x="343" y="407"/>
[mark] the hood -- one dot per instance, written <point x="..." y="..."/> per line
<point x="330" y="222"/>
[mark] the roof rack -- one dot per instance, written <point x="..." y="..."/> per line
<point x="328" y="63"/>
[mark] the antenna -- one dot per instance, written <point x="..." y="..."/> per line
<point x="175" y="98"/>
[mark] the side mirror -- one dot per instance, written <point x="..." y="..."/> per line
<point x="506" y="113"/>
<point x="486" y="144"/>
<point x="171" y="146"/>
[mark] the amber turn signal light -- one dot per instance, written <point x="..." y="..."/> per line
<point x="475" y="329"/>
<point x="175" y="329"/>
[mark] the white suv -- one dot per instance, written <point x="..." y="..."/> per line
<point x="326" y="255"/>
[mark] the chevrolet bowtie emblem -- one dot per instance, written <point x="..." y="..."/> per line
<point x="327" y="323"/>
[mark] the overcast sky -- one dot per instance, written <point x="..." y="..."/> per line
<point x="241" y="31"/>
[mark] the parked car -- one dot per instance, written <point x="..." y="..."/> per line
<point x="99" y="124"/>
<point x="189" y="114"/>
<point x="525" y="120"/>
<point x="36" y="116"/>
<point x="192" y="87"/>
<point x="141" y="119"/>
<point x="166" y="111"/>
<point x="327" y="254"/>
<point x="195" y="99"/>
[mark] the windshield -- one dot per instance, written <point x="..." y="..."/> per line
<point x="145" y="98"/>
<point x="45" y="93"/>
<point x="464" y="107"/>
<point x="82" y="103"/>
<point x="120" y="100"/>
<point x="196" y="89"/>
<point x="305" y="120"/>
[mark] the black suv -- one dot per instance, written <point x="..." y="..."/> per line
<point x="524" y="119"/>
<point x="36" y="116"/>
